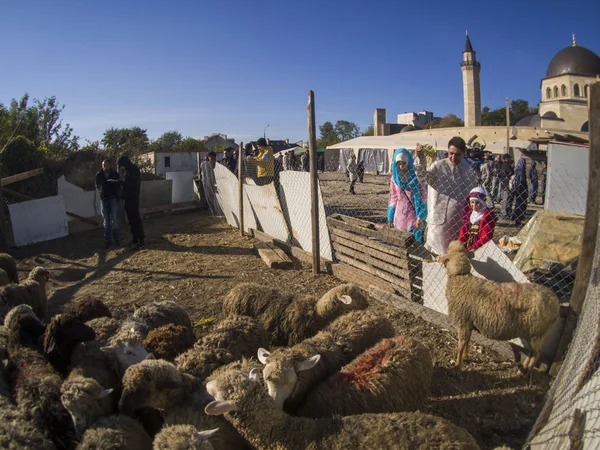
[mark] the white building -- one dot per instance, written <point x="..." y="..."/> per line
<point x="164" y="162"/>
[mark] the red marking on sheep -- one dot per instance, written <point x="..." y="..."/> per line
<point x="369" y="364"/>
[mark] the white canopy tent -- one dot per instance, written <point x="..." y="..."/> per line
<point x="500" y="146"/>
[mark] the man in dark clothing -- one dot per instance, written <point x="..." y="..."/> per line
<point x="229" y="160"/>
<point x="131" y="194"/>
<point x="107" y="182"/>
<point x="544" y="177"/>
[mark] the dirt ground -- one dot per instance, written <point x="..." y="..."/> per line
<point x="194" y="259"/>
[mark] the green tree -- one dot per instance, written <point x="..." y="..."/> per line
<point x="328" y="135"/>
<point x="126" y="141"/>
<point x="190" y="144"/>
<point x="518" y="109"/>
<point x="370" y="131"/>
<point x="167" y="142"/>
<point x="449" y="121"/>
<point x="20" y="155"/>
<point x="346" y="130"/>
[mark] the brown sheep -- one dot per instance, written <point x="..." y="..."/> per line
<point x="30" y="292"/>
<point x="9" y="265"/>
<point x="291" y="318"/>
<point x="88" y="308"/>
<point x="393" y="376"/>
<point x="168" y="341"/>
<point x="497" y="310"/>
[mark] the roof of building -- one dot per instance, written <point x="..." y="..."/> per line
<point x="532" y="120"/>
<point x="575" y="60"/>
<point x="468" y="46"/>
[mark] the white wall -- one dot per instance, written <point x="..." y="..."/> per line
<point x="568" y="172"/>
<point x="179" y="162"/>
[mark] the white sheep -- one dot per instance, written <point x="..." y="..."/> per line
<point x="290" y="318"/>
<point x="291" y="373"/>
<point x="500" y="311"/>
<point x="127" y="344"/>
<point x="116" y="432"/>
<point x="243" y="400"/>
<point x="183" y="437"/>
<point x="30" y="292"/>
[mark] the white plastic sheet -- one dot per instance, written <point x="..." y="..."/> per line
<point x="228" y="198"/>
<point x="83" y="203"/>
<point x="38" y="220"/>
<point x="267" y="209"/>
<point x="183" y="186"/>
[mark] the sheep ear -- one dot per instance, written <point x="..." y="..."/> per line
<point x="211" y="387"/>
<point x="104" y="393"/>
<point x="217" y="408"/>
<point x="109" y="349"/>
<point x="207" y="433"/>
<point x="308" y="363"/>
<point x="254" y="375"/>
<point x="263" y="355"/>
<point x="51" y="345"/>
<point x="346" y="299"/>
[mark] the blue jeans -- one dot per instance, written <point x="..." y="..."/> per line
<point x="110" y="208"/>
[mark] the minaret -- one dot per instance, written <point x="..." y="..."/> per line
<point x="472" y="97"/>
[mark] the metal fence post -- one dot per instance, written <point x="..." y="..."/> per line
<point x="314" y="198"/>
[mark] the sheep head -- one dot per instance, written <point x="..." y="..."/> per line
<point x="281" y="373"/>
<point x="154" y="384"/>
<point x="128" y="350"/>
<point x="230" y="389"/>
<point x="63" y="333"/>
<point x="40" y="275"/>
<point x="345" y="297"/>
<point x="20" y="310"/>
<point x="25" y="330"/>
<point x="456" y="260"/>
<point x="81" y="397"/>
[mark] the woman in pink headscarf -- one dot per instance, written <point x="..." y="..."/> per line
<point x="479" y="221"/>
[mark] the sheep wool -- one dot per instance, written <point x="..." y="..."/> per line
<point x="116" y="433"/>
<point x="183" y="437"/>
<point x="265" y="426"/>
<point x="230" y="340"/>
<point x="30" y="292"/>
<point x="104" y="327"/>
<point x="393" y="376"/>
<point x="168" y="341"/>
<point x="4" y="280"/>
<point x="9" y="265"/>
<point x="498" y="310"/>
<point x="291" y="373"/>
<point x="291" y="318"/>
<point x="88" y="308"/>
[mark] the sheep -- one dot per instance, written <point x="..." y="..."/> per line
<point x="497" y="310"/>
<point x="88" y="308"/>
<point x="36" y="383"/>
<point x="116" y="432"/>
<point x="92" y="388"/>
<point x="15" y="431"/>
<point x="104" y="327"/>
<point x="20" y="310"/>
<point x="265" y="426"/>
<point x="31" y="292"/>
<point x="181" y="397"/>
<point x="4" y="280"/>
<point x="394" y="375"/>
<point x="291" y="318"/>
<point x="168" y="341"/>
<point x="287" y="371"/>
<point x="126" y="345"/>
<point x="183" y="437"/>
<point x="9" y="265"/>
<point x="230" y="340"/>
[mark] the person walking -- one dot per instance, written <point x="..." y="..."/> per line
<point x="519" y="192"/>
<point x="352" y="172"/>
<point x="544" y="179"/>
<point x="130" y="192"/>
<point x="496" y="167"/>
<point x="450" y="180"/>
<point x="407" y="207"/>
<point x="486" y="178"/>
<point x="533" y="182"/>
<point x="360" y="170"/>
<point x="107" y="182"/>
<point x="504" y="175"/>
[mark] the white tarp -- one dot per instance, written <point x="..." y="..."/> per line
<point x="568" y="173"/>
<point x="375" y="160"/>
<point x="38" y="220"/>
<point x="183" y="186"/>
<point x="228" y="198"/>
<point x="267" y="209"/>
<point x="344" y="159"/>
<point x="295" y="187"/>
<point x="83" y="203"/>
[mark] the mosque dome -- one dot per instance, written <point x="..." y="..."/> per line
<point x="574" y="60"/>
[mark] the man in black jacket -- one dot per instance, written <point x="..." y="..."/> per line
<point x="107" y="182"/>
<point x="131" y="194"/>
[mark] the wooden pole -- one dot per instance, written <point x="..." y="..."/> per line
<point x="314" y="197"/>
<point x="590" y="229"/>
<point x="507" y="128"/>
<point x="241" y="187"/>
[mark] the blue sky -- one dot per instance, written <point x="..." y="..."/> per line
<point x="235" y="67"/>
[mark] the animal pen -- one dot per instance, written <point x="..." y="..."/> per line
<point x="314" y="217"/>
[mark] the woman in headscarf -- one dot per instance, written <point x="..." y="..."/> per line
<point x="479" y="221"/>
<point x="519" y="192"/>
<point x="533" y="182"/>
<point x="407" y="208"/>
